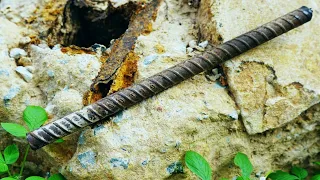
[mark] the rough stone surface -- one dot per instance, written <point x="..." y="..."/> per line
<point x="266" y="89"/>
<point x="277" y="81"/>
<point x="55" y="70"/>
<point x="195" y="115"/>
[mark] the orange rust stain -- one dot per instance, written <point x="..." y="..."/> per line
<point x="34" y="40"/>
<point x="148" y="29"/>
<point x="76" y="50"/>
<point x="52" y="10"/>
<point x="91" y="97"/>
<point x="125" y="75"/>
<point x="159" y="49"/>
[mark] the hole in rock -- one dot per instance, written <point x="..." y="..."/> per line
<point x="99" y="27"/>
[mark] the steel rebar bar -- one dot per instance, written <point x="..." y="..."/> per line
<point x="159" y="82"/>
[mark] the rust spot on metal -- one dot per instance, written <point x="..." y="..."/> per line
<point x="141" y="23"/>
<point x="125" y="74"/>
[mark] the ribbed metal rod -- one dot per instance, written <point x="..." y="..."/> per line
<point x="155" y="84"/>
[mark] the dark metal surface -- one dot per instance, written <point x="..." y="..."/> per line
<point x="155" y="84"/>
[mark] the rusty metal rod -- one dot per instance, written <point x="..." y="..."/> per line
<point x="157" y="83"/>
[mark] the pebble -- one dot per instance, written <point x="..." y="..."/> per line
<point x="149" y="59"/>
<point x="13" y="91"/>
<point x="203" y="44"/>
<point x="189" y="50"/>
<point x="16" y="53"/>
<point x="26" y="75"/>
<point x="25" y="61"/>
<point x="25" y="40"/>
<point x="193" y="43"/>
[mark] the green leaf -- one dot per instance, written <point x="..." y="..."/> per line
<point x="299" y="172"/>
<point x="243" y="162"/>
<point x="34" y="116"/>
<point x="280" y="175"/>
<point x="1" y="158"/>
<point x="15" y="129"/>
<point x="316" y="177"/>
<point x="198" y="165"/>
<point x="3" y="168"/>
<point x="224" y="179"/>
<point x="243" y="178"/>
<point x="57" y="177"/>
<point x="316" y="163"/>
<point x="8" y="178"/>
<point x="35" y="178"/>
<point x="59" y="141"/>
<point x="11" y="154"/>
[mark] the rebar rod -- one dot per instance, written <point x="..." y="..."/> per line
<point x="159" y="82"/>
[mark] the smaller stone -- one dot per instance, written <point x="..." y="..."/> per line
<point x="25" y="40"/>
<point x="26" y="75"/>
<point x="199" y="48"/>
<point x="119" y="162"/>
<point x="149" y="59"/>
<point x="50" y="73"/>
<point x="193" y="43"/>
<point x="203" y="44"/>
<point x="215" y="71"/>
<point x="189" y="50"/>
<point x="87" y="159"/>
<point x="16" y="53"/>
<point x="13" y="91"/>
<point x="234" y="115"/>
<point x="24" y="61"/>
<point x="175" y="168"/>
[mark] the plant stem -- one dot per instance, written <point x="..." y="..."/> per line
<point x="9" y="172"/>
<point x="24" y="159"/>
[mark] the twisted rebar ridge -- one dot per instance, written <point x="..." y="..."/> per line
<point x="155" y="84"/>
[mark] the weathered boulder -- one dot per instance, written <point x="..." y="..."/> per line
<point x="149" y="140"/>
<point x="277" y="81"/>
<point x="266" y="88"/>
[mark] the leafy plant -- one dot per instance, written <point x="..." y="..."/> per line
<point x="198" y="165"/>
<point x="34" y="117"/>
<point x="296" y="173"/>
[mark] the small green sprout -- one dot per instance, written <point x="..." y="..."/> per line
<point x="34" y="117"/>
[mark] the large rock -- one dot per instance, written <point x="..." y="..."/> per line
<point x="269" y="87"/>
<point x="149" y="140"/>
<point x="277" y="81"/>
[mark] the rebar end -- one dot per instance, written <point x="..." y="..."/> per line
<point x="307" y="11"/>
<point x="34" y="142"/>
